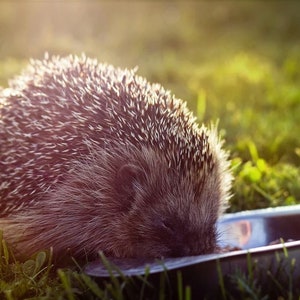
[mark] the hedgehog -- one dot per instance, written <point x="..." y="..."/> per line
<point x="95" y="158"/>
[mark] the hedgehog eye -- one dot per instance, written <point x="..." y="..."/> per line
<point x="167" y="225"/>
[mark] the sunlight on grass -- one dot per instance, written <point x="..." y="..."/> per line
<point x="244" y="67"/>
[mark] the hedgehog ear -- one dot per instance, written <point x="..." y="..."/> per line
<point x="127" y="176"/>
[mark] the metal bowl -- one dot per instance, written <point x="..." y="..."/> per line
<point x="251" y="231"/>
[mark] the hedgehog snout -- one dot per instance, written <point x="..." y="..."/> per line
<point x="189" y="244"/>
<point x="178" y="239"/>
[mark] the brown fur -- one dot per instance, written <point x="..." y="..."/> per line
<point x="155" y="213"/>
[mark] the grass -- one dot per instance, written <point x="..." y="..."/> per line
<point x="236" y="62"/>
<point x="37" y="278"/>
<point x="273" y="279"/>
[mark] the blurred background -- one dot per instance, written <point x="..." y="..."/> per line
<point x="237" y="63"/>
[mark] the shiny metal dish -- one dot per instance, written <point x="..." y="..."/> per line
<point x="251" y="231"/>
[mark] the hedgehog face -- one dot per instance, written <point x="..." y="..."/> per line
<point x="165" y="214"/>
<point x="162" y="233"/>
